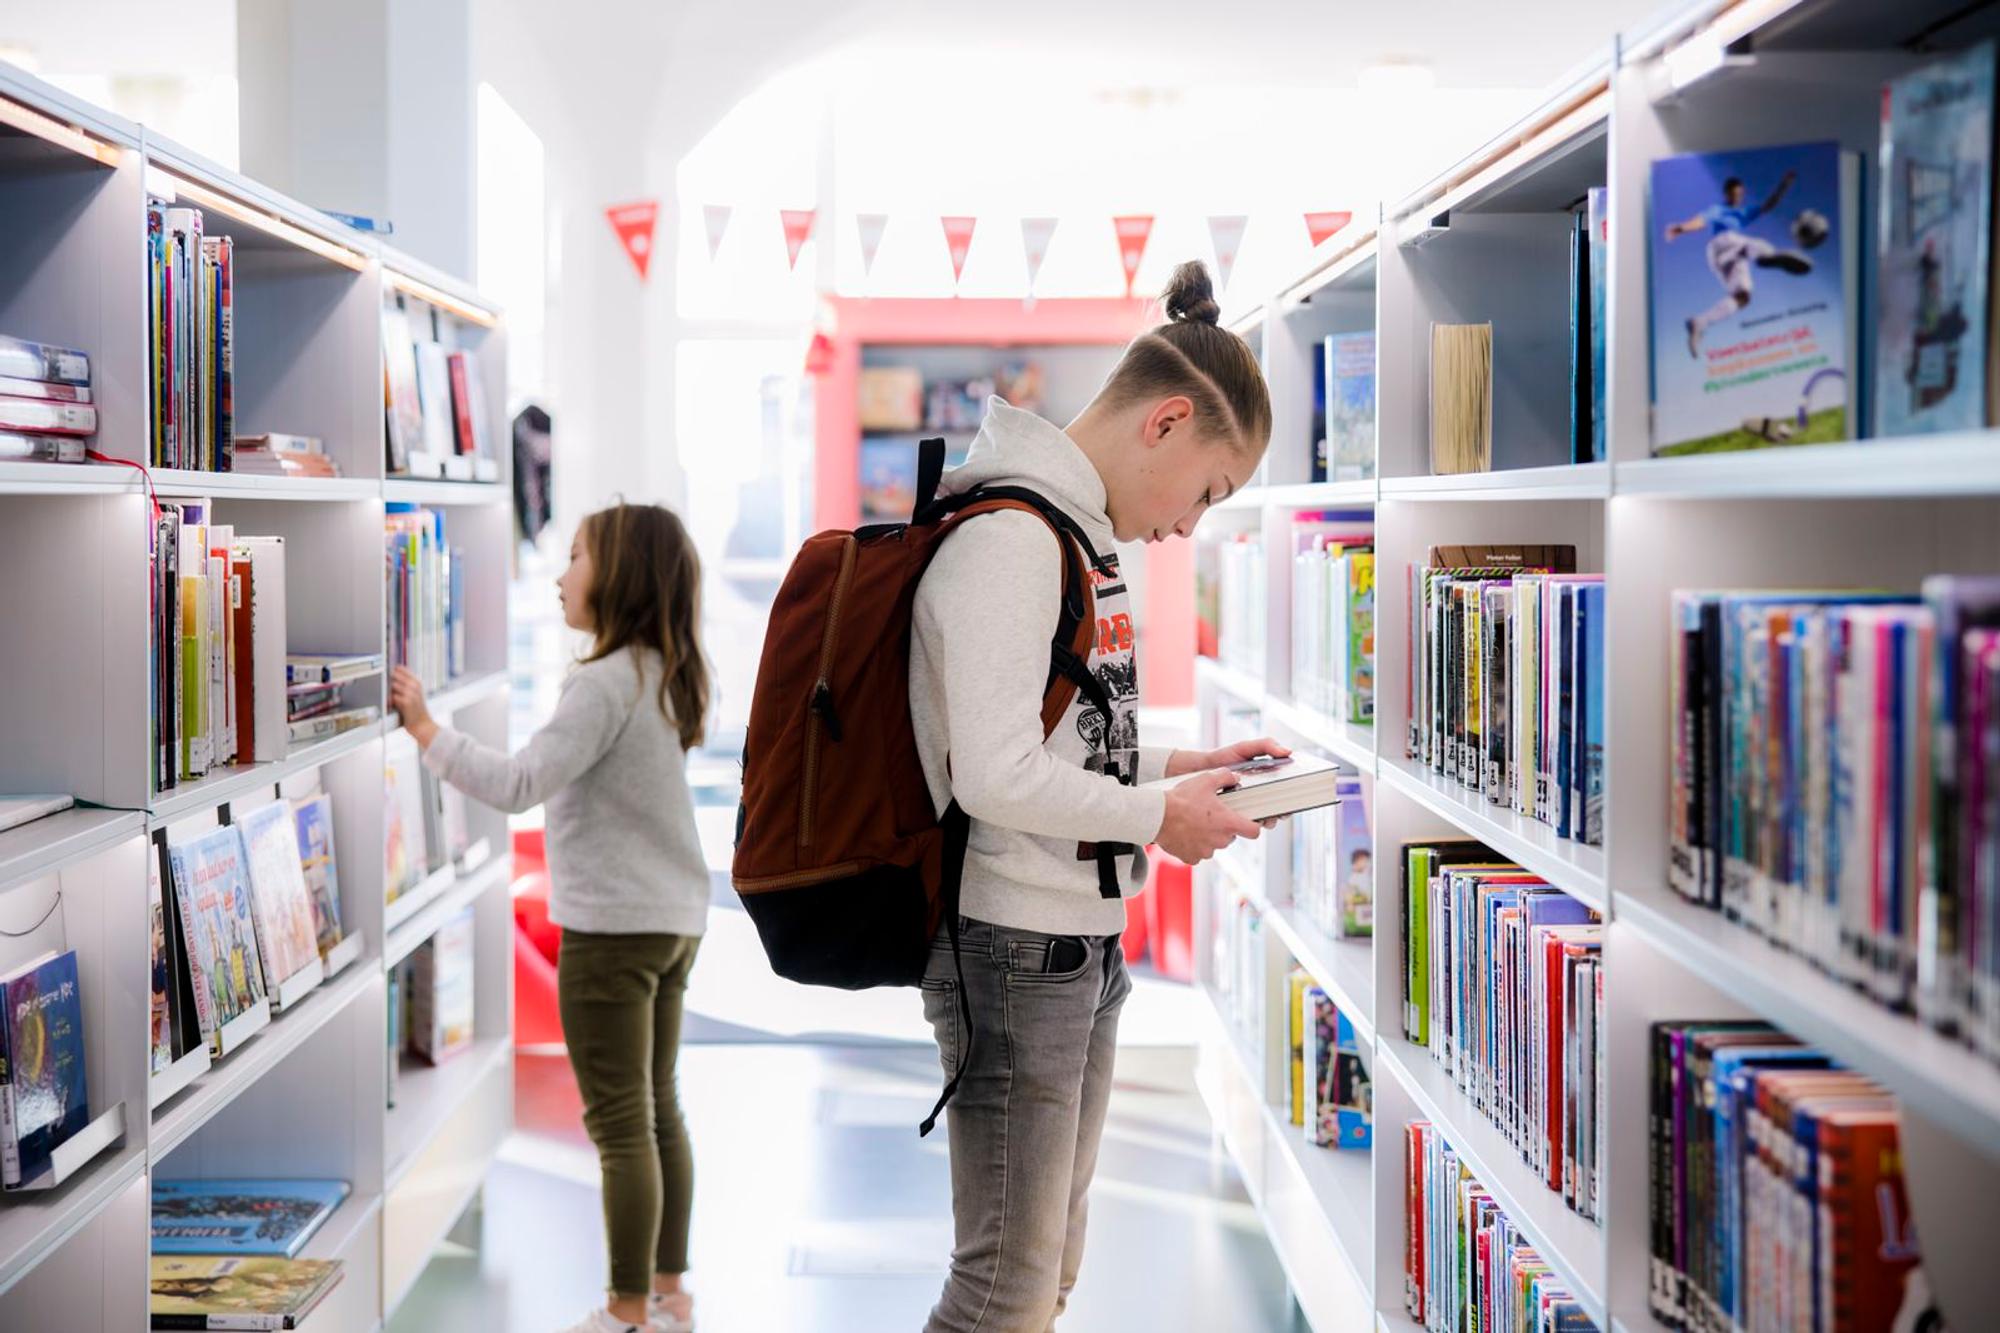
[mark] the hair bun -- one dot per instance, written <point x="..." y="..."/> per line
<point x="1190" y="295"/>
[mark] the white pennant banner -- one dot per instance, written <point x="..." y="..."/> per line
<point x="1036" y="233"/>
<point x="1225" y="233"/>
<point x="872" y="226"/>
<point x="717" y="217"/>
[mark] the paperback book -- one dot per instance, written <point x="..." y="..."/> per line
<point x="241" y="1217"/>
<point x="233" y="1292"/>
<point x="44" y="1089"/>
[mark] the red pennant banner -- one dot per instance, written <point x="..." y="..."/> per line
<point x="958" y="239"/>
<point x="1134" y="230"/>
<point x="798" y="228"/>
<point x="1319" y="226"/>
<point x="634" y="225"/>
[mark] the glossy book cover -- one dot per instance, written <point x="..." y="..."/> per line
<point x="241" y="1216"/>
<point x="47" y="1084"/>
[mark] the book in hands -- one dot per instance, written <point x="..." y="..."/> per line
<point x="1271" y="787"/>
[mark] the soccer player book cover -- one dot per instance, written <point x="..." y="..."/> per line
<point x="1749" y="315"/>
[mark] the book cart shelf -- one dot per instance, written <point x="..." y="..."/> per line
<point x="1486" y="241"/>
<point x="307" y="1095"/>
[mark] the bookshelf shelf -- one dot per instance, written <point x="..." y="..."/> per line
<point x="1350" y="263"/>
<point x="1573" y="867"/>
<point x="1345" y="969"/>
<point x="1571" y="1244"/>
<point x="45" y="845"/>
<point x="1351" y="743"/>
<point x="1320" y="494"/>
<point x="1962" y="464"/>
<point x="1931" y="1072"/>
<point x="1312" y="1198"/>
<point x="418" y="490"/>
<point x="67" y="479"/>
<point x="32" y="1226"/>
<point x="237" y="781"/>
<point x="252" y="486"/>
<point x="428" y="1095"/>
<point x="236" y="1073"/>
<point x="1574" y="481"/>
<point x="339" y="1233"/>
<point x="457" y="893"/>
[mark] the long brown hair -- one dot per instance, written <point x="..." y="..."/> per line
<point x="645" y="591"/>
<point x="1192" y="354"/>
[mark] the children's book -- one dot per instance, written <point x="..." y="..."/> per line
<point x="160" y="1011"/>
<point x="441" y="992"/>
<point x="1350" y="405"/>
<point x="213" y="894"/>
<point x="241" y="1216"/>
<point x="1353" y="868"/>
<point x="229" y="1292"/>
<point x="403" y="816"/>
<point x="1751" y="330"/>
<point x="286" y="937"/>
<point x="313" y="821"/>
<point x="44" y="1091"/>
<point x="1935" y="249"/>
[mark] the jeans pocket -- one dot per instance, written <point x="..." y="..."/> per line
<point x="941" y="1009"/>
<point x="1030" y="957"/>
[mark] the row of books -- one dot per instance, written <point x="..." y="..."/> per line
<point x="1238" y="968"/>
<point x="1777" y="1193"/>
<point x="426" y="595"/>
<point x="1835" y="784"/>
<point x="1332" y="1093"/>
<point x="425" y="819"/>
<point x="218" y="645"/>
<point x="1503" y="984"/>
<point x="1506" y="680"/>
<point x="1234" y="600"/>
<point x="191" y="341"/>
<point x="237" y="912"/>
<point x="1333" y="879"/>
<point x="434" y="402"/>
<point x="44" y="1086"/>
<point x="46" y="411"/>
<point x="1333" y="614"/>
<point x="1466" y="1266"/>
<point x="897" y="399"/>
<point x="1344" y="408"/>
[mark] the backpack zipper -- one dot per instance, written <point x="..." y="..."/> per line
<point x="821" y="709"/>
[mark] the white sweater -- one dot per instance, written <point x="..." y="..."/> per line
<point x="984" y="616"/>
<point x="624" y="857"/>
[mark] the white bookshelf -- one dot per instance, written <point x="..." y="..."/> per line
<point x="306" y="1094"/>
<point x="1484" y="241"/>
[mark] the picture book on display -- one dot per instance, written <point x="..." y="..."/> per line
<point x="213" y="894"/>
<point x="441" y="992"/>
<point x="236" y="1217"/>
<point x="44" y="1090"/>
<point x="404" y="852"/>
<point x="1349" y="361"/>
<point x="1332" y="855"/>
<point x="1754" y="262"/>
<point x="1934" y="278"/>
<point x="287" y="938"/>
<point x="313" y="818"/>
<point x="160" y="1008"/>
<point x="187" y="1018"/>
<point x="231" y="1292"/>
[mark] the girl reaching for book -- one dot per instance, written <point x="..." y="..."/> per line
<point x="627" y="880"/>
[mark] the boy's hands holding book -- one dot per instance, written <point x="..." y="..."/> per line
<point x="1197" y="823"/>
<point x="1196" y="761"/>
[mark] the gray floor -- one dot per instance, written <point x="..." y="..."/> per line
<point x="819" y="1210"/>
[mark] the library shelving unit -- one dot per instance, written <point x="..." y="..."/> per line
<point x="1485" y="240"/>
<point x="307" y="1095"/>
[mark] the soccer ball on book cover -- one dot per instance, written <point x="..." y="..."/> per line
<point x="1810" y="227"/>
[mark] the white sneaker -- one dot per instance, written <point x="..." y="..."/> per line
<point x="670" y="1314"/>
<point x="602" y="1321"/>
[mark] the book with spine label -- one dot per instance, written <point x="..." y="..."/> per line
<point x="21" y="359"/>
<point x="330" y="668"/>
<point x="47" y="416"/>
<point x="44" y="1089"/>
<point x="232" y="1292"/>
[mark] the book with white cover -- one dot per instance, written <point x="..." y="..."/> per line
<point x="18" y="810"/>
<point x="270" y="735"/>
<point x="1270" y="787"/>
<point x="287" y="937"/>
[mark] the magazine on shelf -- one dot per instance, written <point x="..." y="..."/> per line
<point x="236" y="1217"/>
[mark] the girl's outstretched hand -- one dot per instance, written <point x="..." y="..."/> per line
<point x="406" y="696"/>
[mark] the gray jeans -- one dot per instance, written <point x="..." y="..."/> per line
<point x="1027" y="1119"/>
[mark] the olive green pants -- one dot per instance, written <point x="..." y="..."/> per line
<point x="620" y="997"/>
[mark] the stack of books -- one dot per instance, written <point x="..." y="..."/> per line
<point x="1503" y="986"/>
<point x="284" y="456"/>
<point x="46" y="412"/>
<point x="316" y="694"/>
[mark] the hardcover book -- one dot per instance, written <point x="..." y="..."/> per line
<point x="213" y="895"/>
<point x="314" y="823"/>
<point x="44" y="1090"/>
<point x="227" y="1292"/>
<point x="231" y="1217"/>
<point x="286" y="936"/>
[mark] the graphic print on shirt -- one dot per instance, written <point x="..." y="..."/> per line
<point x="1114" y="661"/>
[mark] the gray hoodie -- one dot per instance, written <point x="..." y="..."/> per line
<point x="979" y="658"/>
